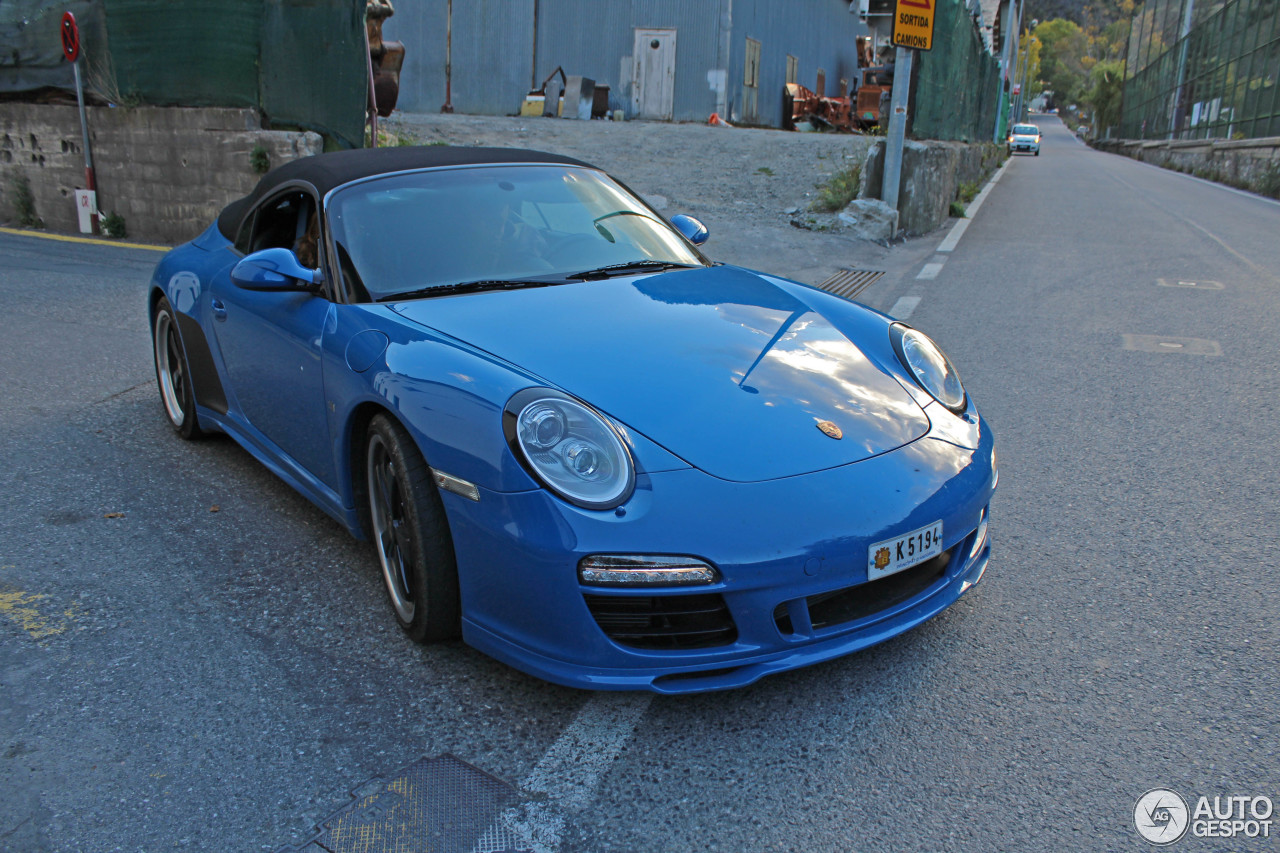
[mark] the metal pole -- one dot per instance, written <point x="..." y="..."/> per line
<point x="448" y="61"/>
<point x="1016" y="106"/>
<point x="373" y="96"/>
<point x="1010" y="39"/>
<point x="1010" y="56"/>
<point x="533" y="73"/>
<point x="1026" y="79"/>
<point x="1184" y="37"/>
<point x="897" y="128"/>
<point x="1021" y="103"/>
<point x="723" y="51"/>
<point x="89" y="180"/>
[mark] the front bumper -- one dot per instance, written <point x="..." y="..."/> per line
<point x="785" y="549"/>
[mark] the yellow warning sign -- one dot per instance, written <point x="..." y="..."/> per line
<point x="913" y="24"/>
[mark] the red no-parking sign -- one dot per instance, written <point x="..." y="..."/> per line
<point x="70" y="37"/>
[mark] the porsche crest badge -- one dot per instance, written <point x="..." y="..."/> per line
<point x="831" y="429"/>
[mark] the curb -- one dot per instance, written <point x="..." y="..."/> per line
<point x="66" y="238"/>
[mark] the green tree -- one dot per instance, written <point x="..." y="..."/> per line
<point x="1106" y="22"/>
<point x="1064" y="52"/>
<point x="1029" y="50"/>
<point x="1106" y="79"/>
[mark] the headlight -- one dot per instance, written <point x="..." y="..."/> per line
<point x="569" y="448"/>
<point x="930" y="367"/>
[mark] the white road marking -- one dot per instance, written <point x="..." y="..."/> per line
<point x="902" y="309"/>
<point x="905" y="305"/>
<point x="930" y="271"/>
<point x="953" y="237"/>
<point x="1191" y="285"/>
<point x="572" y="767"/>
<point x="957" y="231"/>
<point x="568" y="773"/>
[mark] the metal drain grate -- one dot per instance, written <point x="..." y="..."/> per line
<point x="435" y="805"/>
<point x="849" y="283"/>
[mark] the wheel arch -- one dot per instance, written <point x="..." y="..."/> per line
<point x="205" y="381"/>
<point x="355" y="446"/>
<point x="154" y="295"/>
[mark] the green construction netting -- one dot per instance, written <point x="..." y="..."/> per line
<point x="30" y="33"/>
<point x="315" y="67"/>
<point x="955" y="91"/>
<point x="301" y="62"/>
<point x="200" y="53"/>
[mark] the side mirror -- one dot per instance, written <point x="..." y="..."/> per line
<point x="693" y="230"/>
<point x="274" y="269"/>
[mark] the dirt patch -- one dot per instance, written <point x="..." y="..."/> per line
<point x="745" y="184"/>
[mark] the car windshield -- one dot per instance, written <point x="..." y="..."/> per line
<point x="415" y="231"/>
<point x="1025" y="130"/>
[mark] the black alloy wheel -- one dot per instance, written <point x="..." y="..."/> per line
<point x="410" y="534"/>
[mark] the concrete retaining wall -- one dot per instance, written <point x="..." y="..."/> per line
<point x="1249" y="164"/>
<point x="167" y="171"/>
<point x="932" y="172"/>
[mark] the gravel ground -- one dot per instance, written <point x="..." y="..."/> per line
<point x="745" y="184"/>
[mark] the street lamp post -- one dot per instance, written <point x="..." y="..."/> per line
<point x="1026" y="72"/>
<point x="1021" y="102"/>
<point x="1010" y="55"/>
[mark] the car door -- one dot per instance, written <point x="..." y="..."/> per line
<point x="270" y="342"/>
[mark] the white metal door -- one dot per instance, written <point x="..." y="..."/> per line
<point x="653" y="84"/>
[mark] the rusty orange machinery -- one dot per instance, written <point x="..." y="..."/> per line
<point x="869" y="97"/>
<point x="801" y="104"/>
<point x="859" y="111"/>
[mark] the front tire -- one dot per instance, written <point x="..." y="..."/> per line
<point x="410" y="534"/>
<point x="173" y="373"/>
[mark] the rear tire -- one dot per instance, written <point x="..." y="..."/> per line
<point x="410" y="534"/>
<point x="173" y="373"/>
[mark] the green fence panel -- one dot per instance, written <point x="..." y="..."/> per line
<point x="1219" y="81"/>
<point x="197" y="53"/>
<point x="315" y="68"/>
<point x="956" y="82"/>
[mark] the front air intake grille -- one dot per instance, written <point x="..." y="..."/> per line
<point x="866" y="599"/>
<point x="664" y="621"/>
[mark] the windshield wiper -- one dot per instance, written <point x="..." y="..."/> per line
<point x="630" y="267"/>
<point x="471" y="287"/>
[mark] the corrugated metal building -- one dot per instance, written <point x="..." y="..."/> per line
<point x="662" y="59"/>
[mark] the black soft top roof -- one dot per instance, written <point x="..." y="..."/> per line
<point x="327" y="171"/>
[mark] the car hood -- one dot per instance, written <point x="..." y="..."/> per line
<point x="721" y="366"/>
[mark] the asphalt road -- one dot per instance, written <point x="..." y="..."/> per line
<point x="192" y="657"/>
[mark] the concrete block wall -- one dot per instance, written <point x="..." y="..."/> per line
<point x="167" y="171"/>
<point x="1249" y="164"/>
<point x="932" y="172"/>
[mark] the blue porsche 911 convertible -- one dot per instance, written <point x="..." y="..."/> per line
<point x="573" y="440"/>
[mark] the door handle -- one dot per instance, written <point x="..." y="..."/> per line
<point x="219" y="310"/>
